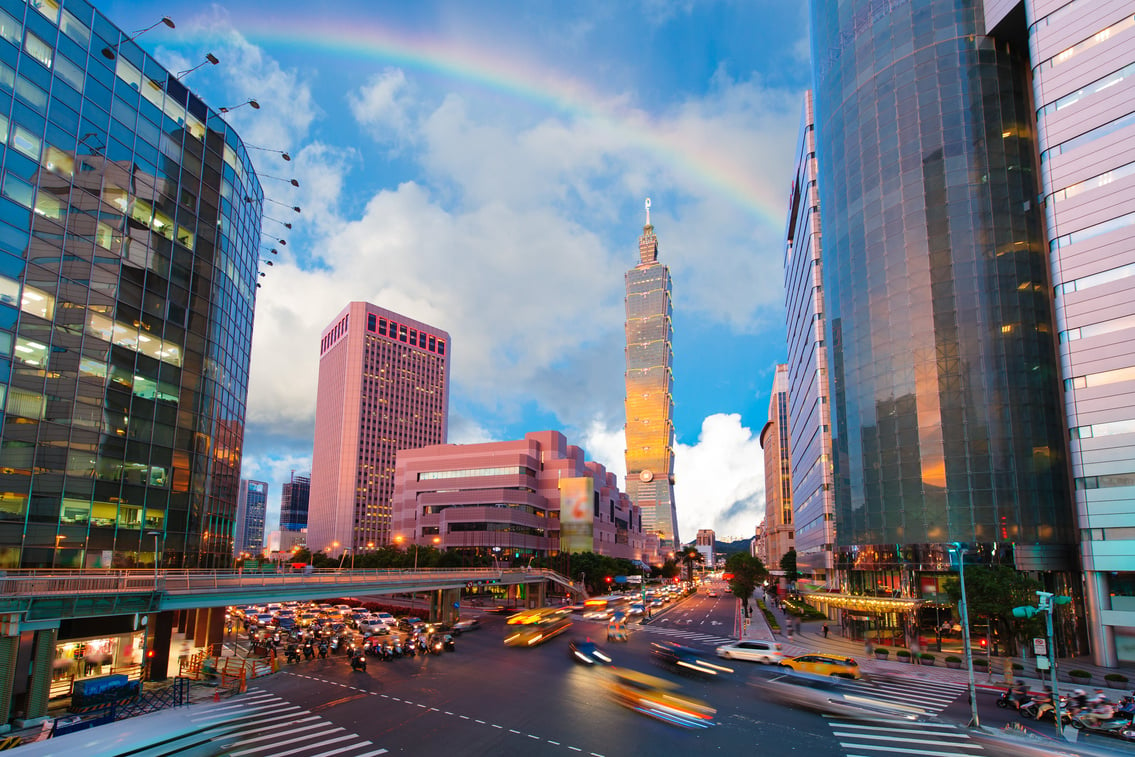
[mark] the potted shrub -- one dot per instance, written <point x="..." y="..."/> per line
<point x="1116" y="678"/>
<point x="926" y="658"/>
<point x="1017" y="667"/>
<point x="980" y="662"/>
<point x="881" y="653"/>
<point x="953" y="662"/>
<point x="903" y="655"/>
<point x="1079" y="676"/>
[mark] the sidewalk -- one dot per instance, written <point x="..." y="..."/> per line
<point x="811" y="639"/>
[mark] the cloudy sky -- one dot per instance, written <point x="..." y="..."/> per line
<point x="481" y="166"/>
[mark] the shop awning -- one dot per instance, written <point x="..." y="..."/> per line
<point x="865" y="604"/>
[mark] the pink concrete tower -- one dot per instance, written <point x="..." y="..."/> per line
<point x="383" y="387"/>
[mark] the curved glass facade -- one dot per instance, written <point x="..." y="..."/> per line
<point x="129" y="236"/>
<point x="946" y="415"/>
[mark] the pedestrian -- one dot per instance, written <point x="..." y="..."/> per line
<point x="868" y="647"/>
<point x="825" y="630"/>
<point x="915" y="651"/>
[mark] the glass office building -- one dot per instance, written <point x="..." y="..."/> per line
<point x="129" y="236"/>
<point x="947" y="422"/>
<point x="650" y="393"/>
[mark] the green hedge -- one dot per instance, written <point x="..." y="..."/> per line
<point x="1115" y="678"/>
<point x="772" y="624"/>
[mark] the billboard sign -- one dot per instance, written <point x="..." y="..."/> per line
<point x="576" y="515"/>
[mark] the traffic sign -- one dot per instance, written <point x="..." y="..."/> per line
<point x="1040" y="647"/>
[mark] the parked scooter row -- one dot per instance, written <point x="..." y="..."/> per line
<point x="418" y="644"/>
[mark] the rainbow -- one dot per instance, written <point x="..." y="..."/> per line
<point x="493" y="70"/>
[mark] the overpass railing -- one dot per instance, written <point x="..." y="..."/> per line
<point x="16" y="585"/>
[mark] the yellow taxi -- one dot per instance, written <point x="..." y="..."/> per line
<point x="823" y="665"/>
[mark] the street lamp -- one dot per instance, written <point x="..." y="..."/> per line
<point x="961" y="552"/>
<point x="155" y="534"/>
<point x="1046" y="603"/>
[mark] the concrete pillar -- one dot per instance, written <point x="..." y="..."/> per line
<point x="201" y="630"/>
<point x="9" y="649"/>
<point x="537" y="595"/>
<point x="1101" y="638"/>
<point x="39" y="684"/>
<point x="214" y="634"/>
<point x="161" y="632"/>
<point x="178" y="619"/>
<point x="189" y="625"/>
<point x="442" y="609"/>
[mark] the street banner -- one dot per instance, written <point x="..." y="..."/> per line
<point x="577" y="515"/>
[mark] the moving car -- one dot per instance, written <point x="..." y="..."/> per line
<point x="412" y="625"/>
<point x="659" y="699"/>
<point x="836" y="697"/>
<point x="685" y="659"/>
<point x="588" y="652"/>
<point x="712" y="593"/>
<point x="823" y="665"/>
<point x="469" y="624"/>
<point x="753" y="650"/>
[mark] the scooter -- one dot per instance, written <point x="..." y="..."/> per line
<point x="1120" y="726"/>
<point x="437" y="646"/>
<point x="450" y="646"/>
<point x="1034" y="710"/>
<point x="323" y="650"/>
<point x="308" y="651"/>
<point x="292" y="654"/>
<point x="358" y="662"/>
<point x="1007" y="700"/>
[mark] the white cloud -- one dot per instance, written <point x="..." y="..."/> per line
<point x="382" y="106"/>
<point x="719" y="480"/>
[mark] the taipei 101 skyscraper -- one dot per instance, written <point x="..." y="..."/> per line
<point x="650" y="397"/>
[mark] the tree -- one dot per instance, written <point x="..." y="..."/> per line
<point x="689" y="556"/>
<point x="788" y="565"/>
<point x="992" y="592"/>
<point x="747" y="571"/>
<point x="669" y="569"/>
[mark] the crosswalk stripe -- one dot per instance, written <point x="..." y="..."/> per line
<point x="372" y="754"/>
<point x="930" y="742"/>
<point x="900" y="750"/>
<point x="347" y="748"/>
<point x="276" y="734"/>
<point x="897" y="726"/>
<point x="307" y="737"/>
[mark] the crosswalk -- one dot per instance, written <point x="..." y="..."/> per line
<point x="875" y="739"/>
<point x="262" y="723"/>
<point x="932" y="696"/>
<point x="675" y="633"/>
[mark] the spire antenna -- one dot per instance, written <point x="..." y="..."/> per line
<point x="647" y="211"/>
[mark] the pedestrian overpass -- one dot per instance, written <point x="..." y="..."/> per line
<point x="35" y="604"/>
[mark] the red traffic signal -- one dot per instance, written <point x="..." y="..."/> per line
<point x="608" y="579"/>
<point x="727" y="576"/>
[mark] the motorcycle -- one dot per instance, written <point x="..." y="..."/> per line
<point x="336" y="643"/>
<point x="410" y="649"/>
<point x="1034" y="710"/>
<point x="323" y="650"/>
<point x="1007" y="701"/>
<point x="1119" y="726"/>
<point x="450" y="646"/>
<point x="396" y="648"/>
<point x="308" y="651"/>
<point x="437" y="646"/>
<point x="292" y="654"/>
<point x="386" y="654"/>
<point x="358" y="662"/>
<point x="423" y="647"/>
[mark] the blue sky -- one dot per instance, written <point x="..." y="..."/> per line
<point x="482" y="166"/>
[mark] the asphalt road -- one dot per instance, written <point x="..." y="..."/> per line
<point x="486" y="698"/>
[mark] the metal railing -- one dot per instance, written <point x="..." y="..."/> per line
<point x="55" y="583"/>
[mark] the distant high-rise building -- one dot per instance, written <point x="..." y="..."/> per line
<point x="706" y="543"/>
<point x="294" y="498"/>
<point x="810" y="436"/>
<point x="251" y="506"/>
<point x="383" y="387"/>
<point x="946" y="412"/>
<point x="778" y="472"/>
<point x="650" y="396"/>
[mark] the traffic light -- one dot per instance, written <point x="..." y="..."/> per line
<point x="1027" y="611"/>
<point x="608" y="579"/>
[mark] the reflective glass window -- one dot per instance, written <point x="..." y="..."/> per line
<point x="38" y="49"/>
<point x="70" y="73"/>
<point x="10" y="29"/>
<point x="19" y="190"/>
<point x="75" y="29"/>
<point x="25" y="142"/>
